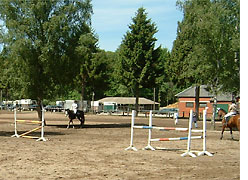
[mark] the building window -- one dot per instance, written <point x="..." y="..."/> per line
<point x="189" y="104"/>
<point x="203" y="105"/>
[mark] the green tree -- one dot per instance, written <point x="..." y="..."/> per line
<point x="137" y="54"/>
<point x="164" y="87"/>
<point x="116" y="88"/>
<point x="93" y="75"/>
<point x="41" y="37"/>
<point x="206" y="50"/>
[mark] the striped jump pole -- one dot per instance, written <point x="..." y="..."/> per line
<point x="188" y="138"/>
<point x="189" y="130"/>
<point x="24" y="135"/>
<point x="131" y="147"/>
<point x="204" y="151"/>
<point x="176" y="139"/>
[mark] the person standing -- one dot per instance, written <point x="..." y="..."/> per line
<point x="176" y="118"/>
<point x="195" y="119"/>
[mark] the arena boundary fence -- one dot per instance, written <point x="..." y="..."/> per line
<point x="189" y="137"/>
<point x="25" y="134"/>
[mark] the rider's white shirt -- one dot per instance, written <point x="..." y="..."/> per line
<point x="74" y="107"/>
<point x="232" y="109"/>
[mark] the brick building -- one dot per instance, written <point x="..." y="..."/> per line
<point x="186" y="101"/>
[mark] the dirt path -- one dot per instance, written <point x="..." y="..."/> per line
<point x="97" y="151"/>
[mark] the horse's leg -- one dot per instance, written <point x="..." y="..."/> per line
<point x="81" y="122"/>
<point x="70" y="121"/>
<point x="68" y="126"/>
<point x="83" y="119"/>
<point x="78" y="117"/>
<point x="72" y="124"/>
<point x="223" y="129"/>
<point x="231" y="133"/>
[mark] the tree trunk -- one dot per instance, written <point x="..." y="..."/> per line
<point x="197" y="99"/>
<point x="82" y="91"/>
<point x="39" y="109"/>
<point x="214" y="112"/>
<point x="137" y="100"/>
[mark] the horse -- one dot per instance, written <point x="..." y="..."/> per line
<point x="233" y="122"/>
<point x="79" y="115"/>
<point x="221" y="113"/>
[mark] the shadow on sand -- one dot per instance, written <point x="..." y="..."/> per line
<point x="10" y="133"/>
<point x="125" y="125"/>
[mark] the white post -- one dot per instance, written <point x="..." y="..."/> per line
<point x="204" y="151"/>
<point x="42" y="126"/>
<point x="16" y="134"/>
<point x="149" y="147"/>
<point x="189" y="137"/>
<point x="131" y="141"/>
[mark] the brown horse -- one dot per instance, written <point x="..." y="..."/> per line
<point x="233" y="122"/>
<point x="221" y="113"/>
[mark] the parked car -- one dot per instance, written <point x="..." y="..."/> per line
<point x="33" y="107"/>
<point x="53" y="108"/>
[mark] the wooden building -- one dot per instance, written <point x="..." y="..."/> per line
<point x="127" y="103"/>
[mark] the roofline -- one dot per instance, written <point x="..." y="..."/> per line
<point x="183" y="91"/>
<point x="154" y="102"/>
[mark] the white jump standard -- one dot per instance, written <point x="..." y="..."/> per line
<point x="131" y="141"/>
<point x="204" y="144"/>
<point x="188" y="152"/>
<point x="24" y="135"/>
<point x="189" y="137"/>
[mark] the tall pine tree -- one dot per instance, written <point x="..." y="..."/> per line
<point x="138" y="55"/>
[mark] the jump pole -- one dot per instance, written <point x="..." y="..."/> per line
<point x="188" y="152"/>
<point x="24" y="135"/>
<point x="204" y="152"/>
<point x="150" y="127"/>
<point x="131" y="147"/>
<point x="149" y="147"/>
<point x="43" y="125"/>
<point x="16" y="134"/>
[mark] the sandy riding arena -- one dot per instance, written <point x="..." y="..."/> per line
<point x="97" y="151"/>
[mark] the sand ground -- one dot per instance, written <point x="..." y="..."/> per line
<point x="97" y="151"/>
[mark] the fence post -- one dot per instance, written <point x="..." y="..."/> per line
<point x="188" y="152"/>
<point x="42" y="125"/>
<point x="150" y="134"/>
<point x="204" y="150"/>
<point x="131" y="141"/>
<point x="16" y="134"/>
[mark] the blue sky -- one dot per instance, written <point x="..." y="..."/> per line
<point x="112" y="17"/>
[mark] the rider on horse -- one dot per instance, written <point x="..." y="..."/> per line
<point x="232" y="111"/>
<point x="74" y="107"/>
